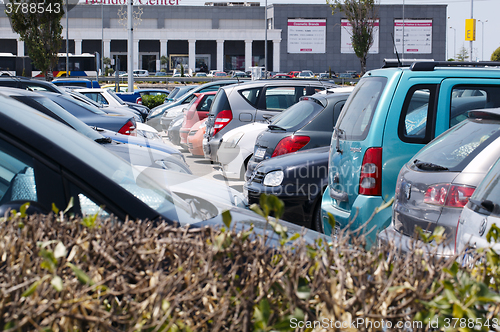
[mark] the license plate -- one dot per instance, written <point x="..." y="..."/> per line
<point x="260" y="153"/>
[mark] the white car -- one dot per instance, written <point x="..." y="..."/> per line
<point x="148" y="132"/>
<point x="237" y="148"/>
<point x="137" y="73"/>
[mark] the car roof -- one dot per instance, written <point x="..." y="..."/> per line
<point x="284" y="82"/>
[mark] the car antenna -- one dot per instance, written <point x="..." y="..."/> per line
<point x="396" y="50"/>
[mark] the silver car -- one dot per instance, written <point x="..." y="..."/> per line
<point x="482" y="211"/>
<point x="434" y="186"/>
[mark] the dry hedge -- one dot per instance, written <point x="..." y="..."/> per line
<point x="135" y="276"/>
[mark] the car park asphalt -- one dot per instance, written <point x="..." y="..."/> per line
<point x="204" y="168"/>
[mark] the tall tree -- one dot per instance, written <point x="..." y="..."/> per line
<point x="361" y="14"/>
<point x="495" y="56"/>
<point x="462" y="54"/>
<point x="39" y="26"/>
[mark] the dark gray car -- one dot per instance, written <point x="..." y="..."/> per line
<point x="237" y="105"/>
<point x="434" y="186"/>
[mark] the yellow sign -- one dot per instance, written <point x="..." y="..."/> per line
<point x="470" y="29"/>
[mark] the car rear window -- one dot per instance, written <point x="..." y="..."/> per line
<point x="489" y="189"/>
<point x="356" y="117"/>
<point x="298" y="114"/>
<point x="220" y="103"/>
<point x="456" y="147"/>
<point x="251" y="95"/>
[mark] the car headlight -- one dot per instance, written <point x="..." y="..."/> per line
<point x="170" y="166"/>
<point x="273" y="179"/>
<point x="234" y="140"/>
<point x="176" y="123"/>
<point x="156" y="111"/>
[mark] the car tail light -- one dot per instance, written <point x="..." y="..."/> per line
<point x="290" y="144"/>
<point x="139" y="100"/>
<point x="221" y="120"/>
<point x="445" y="194"/>
<point x="128" y="129"/>
<point x="370" y="179"/>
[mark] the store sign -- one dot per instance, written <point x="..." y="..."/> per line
<point x="345" y="38"/>
<point x="417" y="36"/>
<point x="306" y="36"/>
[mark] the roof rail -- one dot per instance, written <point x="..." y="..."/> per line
<point x="430" y="65"/>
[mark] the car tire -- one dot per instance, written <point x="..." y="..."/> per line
<point x="317" y="222"/>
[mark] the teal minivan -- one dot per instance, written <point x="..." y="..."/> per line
<point x="391" y="114"/>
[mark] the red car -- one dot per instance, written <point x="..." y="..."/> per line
<point x="280" y="75"/>
<point x="198" y="110"/>
<point x="294" y="73"/>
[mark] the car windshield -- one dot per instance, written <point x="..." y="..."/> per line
<point x="455" y="148"/>
<point x="356" y="117"/>
<point x="88" y="107"/>
<point x="298" y="114"/>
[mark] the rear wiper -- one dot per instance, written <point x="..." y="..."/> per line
<point x="275" y="127"/>
<point x="486" y="204"/>
<point x="103" y="140"/>
<point x="429" y="166"/>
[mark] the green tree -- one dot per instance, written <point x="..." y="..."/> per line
<point x="163" y="60"/>
<point x="462" y="54"/>
<point x="106" y="61"/>
<point x="361" y="14"/>
<point x="39" y="26"/>
<point x="496" y="55"/>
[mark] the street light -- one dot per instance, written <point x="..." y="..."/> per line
<point x="454" y="42"/>
<point x="482" y="38"/>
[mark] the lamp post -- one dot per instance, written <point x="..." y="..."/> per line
<point x="454" y="42"/>
<point x="482" y="38"/>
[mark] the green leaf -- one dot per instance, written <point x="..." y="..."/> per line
<point x="256" y="208"/>
<point x="60" y="251"/>
<point x="80" y="275"/>
<point x="493" y="234"/>
<point x="226" y="218"/>
<point x="55" y="209"/>
<point x="33" y="287"/>
<point x="57" y="283"/>
<point x="23" y="209"/>
<point x="331" y="220"/>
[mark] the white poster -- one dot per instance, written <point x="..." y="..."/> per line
<point x="345" y="38"/>
<point x="306" y="36"/>
<point x="417" y="36"/>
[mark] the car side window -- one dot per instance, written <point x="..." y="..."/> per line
<point x="206" y="103"/>
<point x="251" y="95"/>
<point x="90" y="208"/>
<point x="415" y="124"/>
<point x="189" y="99"/>
<point x="280" y="98"/>
<point x="466" y="98"/>
<point x="17" y="177"/>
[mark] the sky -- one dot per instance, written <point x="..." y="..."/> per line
<point x="458" y="10"/>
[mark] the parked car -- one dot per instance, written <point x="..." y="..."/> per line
<point x="72" y="82"/>
<point x="122" y="87"/>
<point x="237" y="105"/>
<point x="137" y="73"/>
<point x="298" y="179"/>
<point x="195" y="138"/>
<point x="305" y="74"/>
<point x="434" y="186"/>
<point x="237" y="147"/>
<point x="294" y="73"/>
<point x="136" y="96"/>
<point x="174" y="128"/>
<point x="134" y="153"/>
<point x="305" y="125"/>
<point x="200" y="75"/>
<point x="155" y="120"/>
<point x="391" y="114"/>
<point x="178" y="91"/>
<point x="108" y="97"/>
<point x="219" y="74"/>
<point x="94" y="116"/>
<point x="44" y="170"/>
<point x="478" y="216"/>
<point x="160" y="73"/>
<point x="282" y="76"/>
<point x="197" y="110"/>
<point x="28" y="84"/>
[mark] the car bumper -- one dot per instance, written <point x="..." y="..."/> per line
<point x="250" y="167"/>
<point x="356" y="218"/>
<point x="406" y="244"/>
<point x="210" y="148"/>
<point x="298" y="207"/>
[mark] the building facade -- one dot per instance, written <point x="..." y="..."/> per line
<point x="232" y="37"/>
